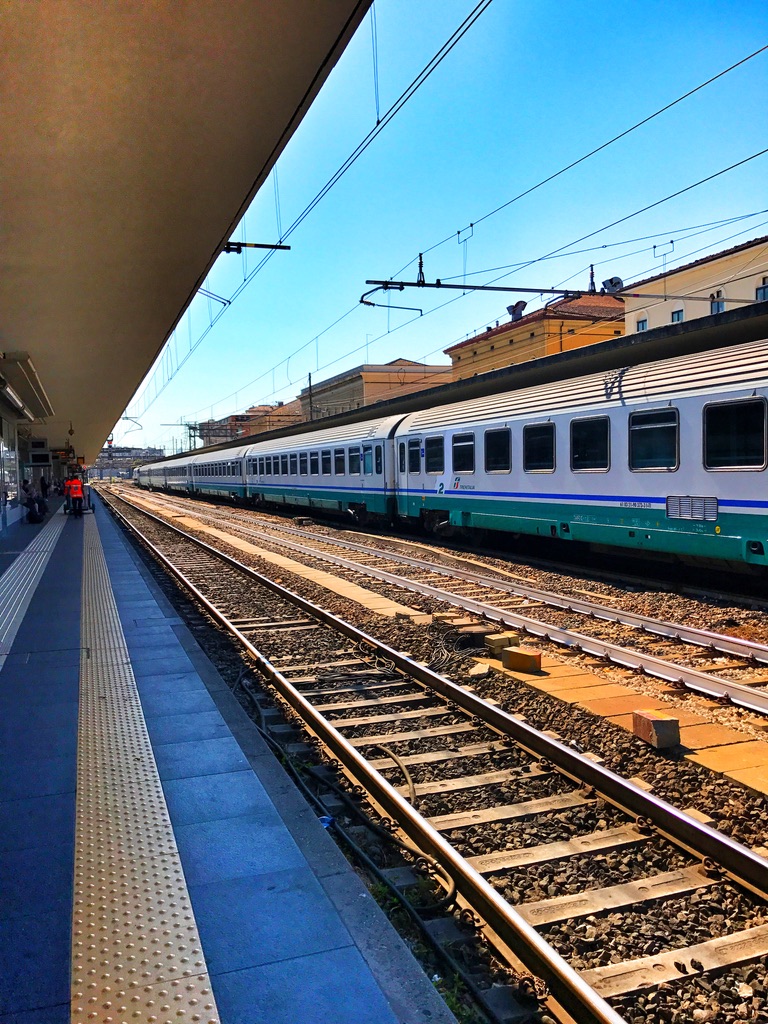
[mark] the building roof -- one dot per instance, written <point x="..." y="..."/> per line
<point x="399" y="365"/>
<point x="588" y="306"/>
<point x="704" y="259"/>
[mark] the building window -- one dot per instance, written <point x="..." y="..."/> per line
<point x="590" y="445"/>
<point x="463" y="453"/>
<point x="539" y="448"/>
<point x="761" y="292"/>
<point x="434" y="455"/>
<point x="642" y="324"/>
<point x="653" y="439"/>
<point x="498" y="457"/>
<point x="716" y="302"/>
<point x="677" y="316"/>
<point x="734" y="435"/>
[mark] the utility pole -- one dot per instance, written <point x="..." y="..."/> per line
<point x="309" y="389"/>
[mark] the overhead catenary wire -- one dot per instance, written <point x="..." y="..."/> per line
<point x="381" y="123"/>
<point x="417" y="82"/>
<point x="593" y="152"/>
<point x="406" y="323"/>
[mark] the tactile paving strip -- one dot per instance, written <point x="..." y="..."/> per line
<point x="136" y="953"/>
<point x="19" y="582"/>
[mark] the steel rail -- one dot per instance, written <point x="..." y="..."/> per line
<point x="567" y="986"/>
<point x="744" y="865"/>
<point x="542" y="564"/>
<point x="693" y="679"/>
<point x="747" y="649"/>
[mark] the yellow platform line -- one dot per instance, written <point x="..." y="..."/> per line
<point x="136" y="952"/>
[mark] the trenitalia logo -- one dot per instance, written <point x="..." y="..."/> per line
<point x="456" y="484"/>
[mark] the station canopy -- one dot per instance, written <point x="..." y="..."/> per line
<point x="134" y="135"/>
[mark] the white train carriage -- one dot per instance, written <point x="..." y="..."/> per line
<point x="336" y="469"/>
<point x="668" y="456"/>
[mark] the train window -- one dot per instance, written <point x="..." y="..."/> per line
<point x="268" y="466"/>
<point x="303" y="463"/>
<point x="653" y="439"/>
<point x="498" y="451"/>
<point x="354" y="462"/>
<point x="294" y="464"/>
<point x="463" y="453"/>
<point x="326" y="462"/>
<point x="434" y="455"/>
<point x="539" y="448"/>
<point x="338" y="461"/>
<point x="734" y="435"/>
<point x="368" y="459"/>
<point x="261" y="467"/>
<point x="314" y="463"/>
<point x="379" y="457"/>
<point x="401" y="457"/>
<point x="284" y="465"/>
<point x="414" y="455"/>
<point x="590" y="444"/>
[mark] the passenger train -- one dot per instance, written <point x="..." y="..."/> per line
<point x="666" y="457"/>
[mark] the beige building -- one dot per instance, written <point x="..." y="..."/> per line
<point x="372" y="382"/>
<point x="563" y="324"/>
<point x="713" y="284"/>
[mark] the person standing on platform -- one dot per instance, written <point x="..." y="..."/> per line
<point x="73" y="489"/>
<point x="43" y="488"/>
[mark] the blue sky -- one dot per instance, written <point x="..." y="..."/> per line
<point x="530" y="88"/>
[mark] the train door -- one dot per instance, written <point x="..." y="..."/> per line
<point x="400" y="477"/>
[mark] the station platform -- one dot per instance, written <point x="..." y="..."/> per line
<point x="156" y="863"/>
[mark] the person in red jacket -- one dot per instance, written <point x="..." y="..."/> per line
<point x="73" y="489"/>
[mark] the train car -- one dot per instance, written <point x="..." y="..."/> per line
<point x="219" y="474"/>
<point x="338" y="469"/>
<point x="668" y="457"/>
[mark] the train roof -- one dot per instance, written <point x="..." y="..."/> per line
<point x="742" y="366"/>
<point x="378" y="428"/>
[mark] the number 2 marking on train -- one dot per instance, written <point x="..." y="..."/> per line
<point x="440" y="488"/>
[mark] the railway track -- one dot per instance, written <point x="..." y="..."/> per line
<point x="643" y="900"/>
<point x="701" y="660"/>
